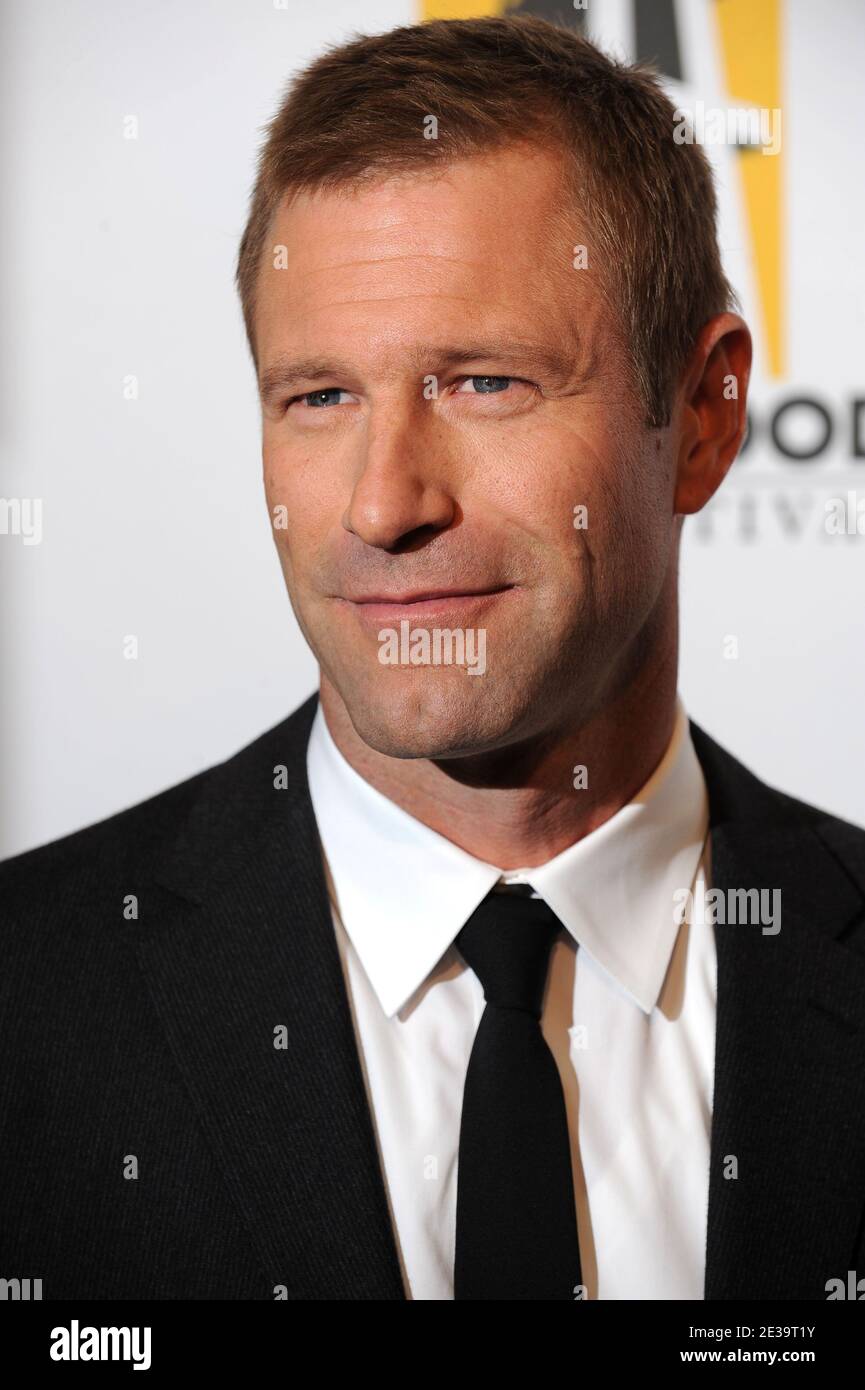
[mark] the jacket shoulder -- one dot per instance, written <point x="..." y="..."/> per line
<point x="736" y="793"/>
<point x="844" y="839"/>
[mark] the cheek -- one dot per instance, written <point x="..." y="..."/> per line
<point x="310" y="478"/>
<point x="533" y="478"/>
<point x="283" y="467"/>
<point x="622" y="524"/>
<point x="637" y="543"/>
<point x="305" y="510"/>
<point x="584" y="492"/>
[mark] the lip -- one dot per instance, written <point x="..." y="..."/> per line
<point x="424" y="604"/>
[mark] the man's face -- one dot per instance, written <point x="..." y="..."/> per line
<point x="442" y="388"/>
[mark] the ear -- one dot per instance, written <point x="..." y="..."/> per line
<point x="711" y="414"/>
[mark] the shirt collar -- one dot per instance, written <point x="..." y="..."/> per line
<point x="403" y="891"/>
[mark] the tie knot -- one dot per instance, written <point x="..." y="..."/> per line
<point x="507" y="942"/>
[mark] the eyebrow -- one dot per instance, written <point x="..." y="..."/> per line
<point x="286" y="373"/>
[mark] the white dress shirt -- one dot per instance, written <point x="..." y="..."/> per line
<point x="629" y="1016"/>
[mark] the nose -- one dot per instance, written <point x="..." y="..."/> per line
<point x="403" y="487"/>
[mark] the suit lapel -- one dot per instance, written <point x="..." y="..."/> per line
<point x="243" y="952"/>
<point x="789" y="1095"/>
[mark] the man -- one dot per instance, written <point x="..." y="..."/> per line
<point x="487" y="974"/>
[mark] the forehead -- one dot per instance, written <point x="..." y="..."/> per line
<point x="485" y="243"/>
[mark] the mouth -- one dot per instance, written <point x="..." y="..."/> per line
<point x="425" y="605"/>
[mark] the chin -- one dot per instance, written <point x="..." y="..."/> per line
<point x="412" y="716"/>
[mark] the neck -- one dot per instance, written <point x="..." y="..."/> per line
<point x="539" y="812"/>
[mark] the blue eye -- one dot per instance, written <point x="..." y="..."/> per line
<point x="322" y="398"/>
<point x="488" y="385"/>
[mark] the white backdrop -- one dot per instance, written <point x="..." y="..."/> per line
<point x="117" y="264"/>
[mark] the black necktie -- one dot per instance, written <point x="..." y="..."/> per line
<point x="516" y="1234"/>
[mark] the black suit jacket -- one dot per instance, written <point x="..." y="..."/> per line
<point x="151" y="1038"/>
